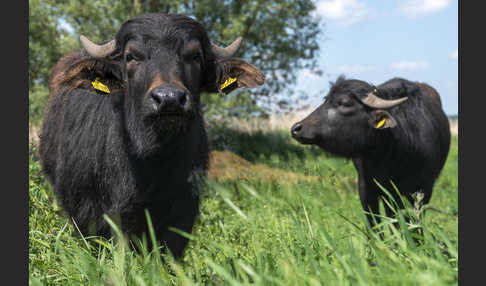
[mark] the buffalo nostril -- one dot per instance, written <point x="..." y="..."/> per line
<point x="296" y="128"/>
<point x="182" y="99"/>
<point x="157" y="97"/>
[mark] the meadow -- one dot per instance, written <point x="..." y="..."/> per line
<point x="273" y="213"/>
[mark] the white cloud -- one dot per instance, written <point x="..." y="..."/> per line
<point x="455" y="54"/>
<point x="416" y="7"/>
<point x="353" y="69"/>
<point x="409" y="65"/>
<point x="311" y="74"/>
<point x="342" y="12"/>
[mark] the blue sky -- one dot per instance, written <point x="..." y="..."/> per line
<point x="377" y="40"/>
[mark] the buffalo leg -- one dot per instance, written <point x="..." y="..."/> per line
<point x="182" y="217"/>
<point x="369" y="202"/>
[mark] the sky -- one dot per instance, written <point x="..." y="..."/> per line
<point x="376" y="40"/>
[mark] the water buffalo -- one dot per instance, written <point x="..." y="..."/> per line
<point x="123" y="130"/>
<point x="395" y="132"/>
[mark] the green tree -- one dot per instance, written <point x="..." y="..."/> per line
<point x="43" y="41"/>
<point x="47" y="43"/>
<point x="279" y="38"/>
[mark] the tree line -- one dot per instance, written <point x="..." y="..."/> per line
<point x="280" y="37"/>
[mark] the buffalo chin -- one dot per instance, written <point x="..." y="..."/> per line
<point x="304" y="140"/>
<point x="332" y="148"/>
<point x="169" y="123"/>
<point x="337" y="149"/>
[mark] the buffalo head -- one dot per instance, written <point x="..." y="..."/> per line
<point x="165" y="61"/>
<point x="347" y="122"/>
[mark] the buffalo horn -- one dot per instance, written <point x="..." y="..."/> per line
<point x="227" y="52"/>
<point x="374" y="101"/>
<point x="97" y="51"/>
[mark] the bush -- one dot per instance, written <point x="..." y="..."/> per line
<point x="38" y="97"/>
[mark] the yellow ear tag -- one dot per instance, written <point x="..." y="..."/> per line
<point x="381" y="123"/>
<point x="99" y="86"/>
<point x="228" y="81"/>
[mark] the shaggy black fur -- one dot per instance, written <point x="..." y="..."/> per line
<point x="114" y="153"/>
<point x="411" y="155"/>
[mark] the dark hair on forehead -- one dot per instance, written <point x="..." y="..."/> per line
<point x="173" y="27"/>
<point x="350" y="86"/>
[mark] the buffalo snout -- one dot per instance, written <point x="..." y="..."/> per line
<point x="169" y="99"/>
<point x="295" y="130"/>
<point x="300" y="133"/>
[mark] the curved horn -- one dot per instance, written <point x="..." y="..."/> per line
<point x="374" y="101"/>
<point x="97" y="51"/>
<point x="227" y="52"/>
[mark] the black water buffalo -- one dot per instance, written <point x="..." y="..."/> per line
<point x="395" y="132"/>
<point x="123" y="130"/>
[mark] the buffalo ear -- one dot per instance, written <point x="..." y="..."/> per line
<point x="381" y="119"/>
<point x="234" y="73"/>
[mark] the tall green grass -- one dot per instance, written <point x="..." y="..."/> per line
<point x="256" y="233"/>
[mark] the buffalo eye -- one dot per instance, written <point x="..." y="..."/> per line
<point x="133" y="57"/>
<point x="197" y="57"/>
<point x="129" y="58"/>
